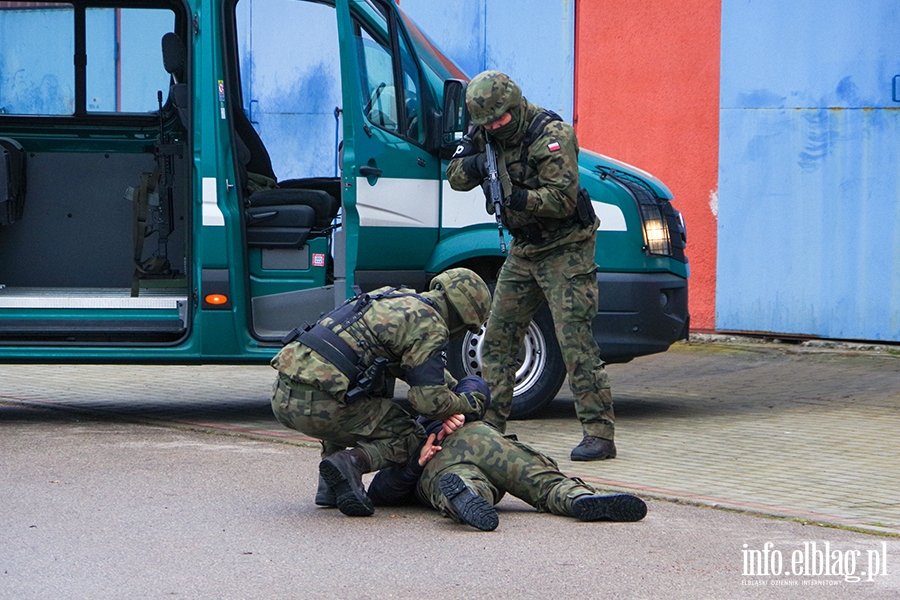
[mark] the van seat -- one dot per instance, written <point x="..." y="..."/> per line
<point x="322" y="203"/>
<point x="175" y="61"/>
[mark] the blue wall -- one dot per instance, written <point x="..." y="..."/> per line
<point x="533" y="41"/>
<point x="292" y="83"/>
<point x="292" y="88"/>
<point x="809" y="184"/>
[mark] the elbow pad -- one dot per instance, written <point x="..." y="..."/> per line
<point x="430" y="372"/>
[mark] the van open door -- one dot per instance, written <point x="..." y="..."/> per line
<point x="285" y="147"/>
<point x="391" y="181"/>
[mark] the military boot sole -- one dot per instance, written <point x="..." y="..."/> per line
<point x="350" y="496"/>
<point x="613" y="507"/>
<point x="471" y="508"/>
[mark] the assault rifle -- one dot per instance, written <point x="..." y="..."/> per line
<point x="495" y="191"/>
<point x="371" y="382"/>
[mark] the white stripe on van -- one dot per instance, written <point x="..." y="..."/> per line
<point x="212" y="214"/>
<point x="467" y="208"/>
<point x="397" y="202"/>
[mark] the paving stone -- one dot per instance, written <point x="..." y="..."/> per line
<point x="801" y="432"/>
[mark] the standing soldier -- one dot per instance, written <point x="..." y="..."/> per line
<point x="554" y="233"/>
<point x="330" y="381"/>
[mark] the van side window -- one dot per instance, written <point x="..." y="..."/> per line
<point x="410" y="72"/>
<point x="387" y="104"/>
<point x="117" y="69"/>
<point x="126" y="80"/>
<point x="36" y="71"/>
<point x="378" y="87"/>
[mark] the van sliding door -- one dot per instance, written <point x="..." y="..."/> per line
<point x="94" y="245"/>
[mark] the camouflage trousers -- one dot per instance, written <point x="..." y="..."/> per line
<point x="566" y="278"/>
<point x="492" y="465"/>
<point x="386" y="432"/>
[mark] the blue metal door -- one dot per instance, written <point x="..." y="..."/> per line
<point x="809" y="184"/>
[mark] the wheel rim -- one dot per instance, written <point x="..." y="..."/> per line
<point x="532" y="358"/>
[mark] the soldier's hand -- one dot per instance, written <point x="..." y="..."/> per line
<point x="475" y="167"/>
<point x="518" y="200"/>
<point x="428" y="450"/>
<point x="465" y="148"/>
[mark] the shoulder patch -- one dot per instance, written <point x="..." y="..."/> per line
<point x="553" y="146"/>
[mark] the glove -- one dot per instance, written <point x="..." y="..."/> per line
<point x="475" y="167"/>
<point x="470" y="384"/>
<point x="465" y="148"/>
<point x="474" y="383"/>
<point x="518" y="200"/>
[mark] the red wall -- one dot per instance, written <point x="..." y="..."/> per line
<point x="647" y="93"/>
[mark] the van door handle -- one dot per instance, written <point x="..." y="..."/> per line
<point x="370" y="171"/>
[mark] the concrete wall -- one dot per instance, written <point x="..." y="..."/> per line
<point x="647" y="92"/>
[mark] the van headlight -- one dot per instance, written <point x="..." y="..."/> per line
<point x="656" y="234"/>
<point x="663" y="226"/>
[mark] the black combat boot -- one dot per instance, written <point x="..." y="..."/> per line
<point x="343" y="473"/>
<point x="610" y="507"/>
<point x="594" y="448"/>
<point x="469" y="506"/>
<point x="325" y="496"/>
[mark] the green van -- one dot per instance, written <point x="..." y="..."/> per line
<point x="144" y="218"/>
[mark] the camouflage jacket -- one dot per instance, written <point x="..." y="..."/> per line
<point x="548" y="170"/>
<point x="408" y="332"/>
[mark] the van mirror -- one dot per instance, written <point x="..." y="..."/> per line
<point x="455" y="118"/>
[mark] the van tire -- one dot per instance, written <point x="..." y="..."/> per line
<point x="541" y="372"/>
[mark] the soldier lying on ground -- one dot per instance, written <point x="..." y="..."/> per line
<point x="475" y="465"/>
<point x="328" y="382"/>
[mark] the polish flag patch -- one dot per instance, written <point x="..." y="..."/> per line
<point x="553" y="147"/>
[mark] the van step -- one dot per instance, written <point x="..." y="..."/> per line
<point x="87" y="298"/>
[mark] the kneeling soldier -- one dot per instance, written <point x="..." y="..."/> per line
<point x="330" y="380"/>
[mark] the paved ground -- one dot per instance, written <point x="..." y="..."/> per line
<point x="105" y="508"/>
<point x="808" y="433"/>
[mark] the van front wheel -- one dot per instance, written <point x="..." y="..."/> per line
<point x="541" y="370"/>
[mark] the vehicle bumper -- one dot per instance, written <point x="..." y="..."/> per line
<point x="639" y="314"/>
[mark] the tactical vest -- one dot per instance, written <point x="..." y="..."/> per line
<point x="584" y="213"/>
<point x="356" y="362"/>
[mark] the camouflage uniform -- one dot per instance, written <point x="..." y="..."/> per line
<point x="551" y="255"/>
<point x="491" y="465"/>
<point x="310" y="392"/>
<point x="477" y="465"/>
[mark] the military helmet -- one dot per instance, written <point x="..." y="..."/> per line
<point x="467" y="294"/>
<point x="489" y="95"/>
